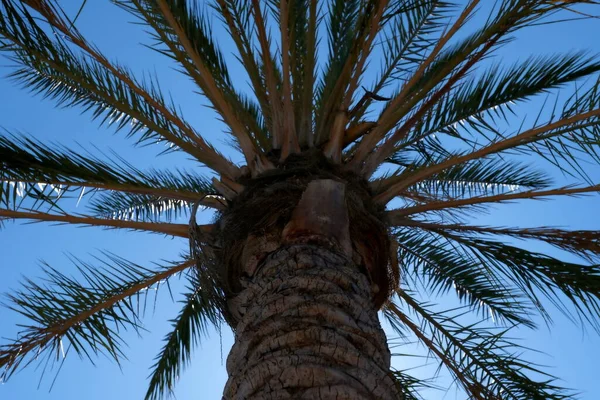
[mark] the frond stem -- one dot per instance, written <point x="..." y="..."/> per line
<point x="397" y="215"/>
<point x="179" y="230"/>
<point x="514" y="141"/>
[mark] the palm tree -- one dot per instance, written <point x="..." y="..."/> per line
<point x="358" y="190"/>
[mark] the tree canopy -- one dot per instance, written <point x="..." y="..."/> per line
<point x="405" y="95"/>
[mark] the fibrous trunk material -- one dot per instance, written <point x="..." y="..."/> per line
<point x="308" y="329"/>
<point x="306" y="279"/>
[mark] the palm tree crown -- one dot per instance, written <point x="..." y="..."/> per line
<point x="425" y="142"/>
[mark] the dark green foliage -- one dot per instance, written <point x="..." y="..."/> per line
<point x="441" y="268"/>
<point x="497" y="92"/>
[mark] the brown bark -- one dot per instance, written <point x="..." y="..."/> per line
<point x="308" y="329"/>
<point x="304" y="311"/>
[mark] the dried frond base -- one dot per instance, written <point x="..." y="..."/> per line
<point x="252" y="227"/>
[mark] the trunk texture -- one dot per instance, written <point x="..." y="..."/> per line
<point x="308" y="329"/>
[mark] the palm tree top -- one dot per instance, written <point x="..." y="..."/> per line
<point x="402" y="101"/>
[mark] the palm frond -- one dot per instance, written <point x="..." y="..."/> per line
<point x="484" y="361"/>
<point x="583" y="243"/>
<point x="410" y="385"/>
<point x="290" y="143"/>
<point x="139" y="207"/>
<point x="390" y="116"/>
<point x="486" y="176"/>
<point x="497" y="92"/>
<point x="185" y="31"/>
<point x="83" y="316"/>
<point x="50" y="67"/>
<point x="271" y="75"/>
<point x="46" y="173"/>
<point x="396" y="215"/>
<point x="237" y="16"/>
<point x="445" y="69"/>
<point x="442" y="268"/>
<point x="580" y="124"/>
<point x="369" y="25"/>
<point x="408" y="37"/>
<point x="342" y="25"/>
<point x="565" y="284"/>
<point x="203" y="307"/>
<point x="569" y="147"/>
<point x="303" y="65"/>
<point x="179" y="230"/>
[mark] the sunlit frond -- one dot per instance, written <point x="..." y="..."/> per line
<point x="138" y="207"/>
<point x="185" y="31"/>
<point x="445" y="68"/>
<point x="49" y="173"/>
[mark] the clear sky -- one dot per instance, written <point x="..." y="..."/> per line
<point x="572" y="354"/>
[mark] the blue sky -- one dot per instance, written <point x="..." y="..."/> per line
<point x="571" y="353"/>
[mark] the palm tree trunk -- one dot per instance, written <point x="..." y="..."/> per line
<point x="308" y="329"/>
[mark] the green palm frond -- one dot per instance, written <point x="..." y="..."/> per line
<point x="237" y="15"/>
<point x="397" y="215"/>
<point x="578" y="129"/>
<point x="411" y="386"/>
<point x="397" y="107"/>
<point x="271" y="74"/>
<point x="341" y="30"/>
<point x="184" y="30"/>
<point x="486" y="176"/>
<point x="567" y="285"/>
<point x="404" y="42"/>
<point x="442" y="267"/>
<point x="337" y="94"/>
<point x="178" y="230"/>
<point x="50" y="67"/>
<point x="303" y="63"/>
<point x="583" y="243"/>
<point x="48" y="173"/>
<point x="573" y="131"/>
<point x="570" y="147"/>
<point x="484" y="361"/>
<point x="204" y="306"/>
<point x="496" y="93"/>
<point x="139" y="207"/>
<point x="189" y="40"/>
<point x="81" y="316"/>
<point x="444" y="68"/>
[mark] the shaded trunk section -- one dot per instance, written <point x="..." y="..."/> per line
<point x="308" y="329"/>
